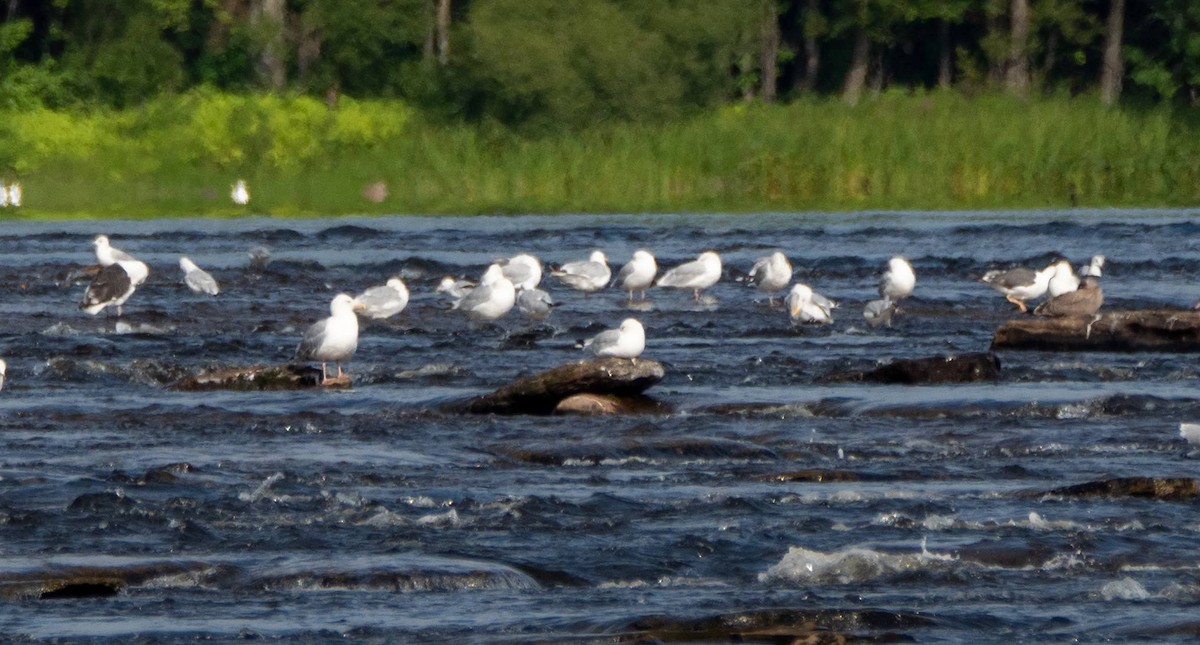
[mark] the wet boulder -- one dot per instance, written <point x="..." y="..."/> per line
<point x="808" y="626"/>
<point x="614" y="386"/>
<point x="1164" y="488"/>
<point x="961" y="368"/>
<point x="1154" y="330"/>
<point x="258" y="378"/>
<point x="60" y="583"/>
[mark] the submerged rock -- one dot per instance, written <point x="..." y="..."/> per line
<point x="808" y="626"/>
<point x="1165" y="488"/>
<point x="58" y="583"/>
<point x="257" y="378"/>
<point x="1158" y="330"/>
<point x="617" y="381"/>
<point x="963" y="368"/>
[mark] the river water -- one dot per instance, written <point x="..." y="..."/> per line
<point x="374" y="514"/>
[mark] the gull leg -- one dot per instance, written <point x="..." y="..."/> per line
<point x="1088" y="331"/>
<point x="324" y="373"/>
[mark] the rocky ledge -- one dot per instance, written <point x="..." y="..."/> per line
<point x="1153" y="330"/>
<point x="258" y="378"/>
<point x="598" y="386"/>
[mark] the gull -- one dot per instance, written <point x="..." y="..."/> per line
<point x="1095" y="268"/>
<point x="334" y="338"/>
<point x="113" y="285"/>
<point x="1084" y="301"/>
<point x="106" y="254"/>
<point x="637" y="274"/>
<point x="879" y="312"/>
<point x="198" y="279"/>
<point x="898" y="281"/>
<point x="240" y="193"/>
<point x="587" y="275"/>
<point x="626" y="341"/>
<point x="524" y="271"/>
<point x="1020" y="284"/>
<point x="697" y="275"/>
<point x="1063" y="280"/>
<point x="534" y="303"/>
<point x="3" y="372"/>
<point x="493" y="298"/>
<point x="455" y="289"/>
<point x="806" y="305"/>
<point x="15" y="195"/>
<point x="384" y="301"/>
<point x="771" y="273"/>
<point x="1190" y="432"/>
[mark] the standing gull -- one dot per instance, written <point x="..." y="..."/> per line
<point x="524" y="271"/>
<point x="697" y="275"/>
<point x="626" y="341"/>
<point x="384" y="301"/>
<point x="334" y="338"/>
<point x="534" y="303"/>
<point x="107" y="254"/>
<point x="493" y="298"/>
<point x="1020" y="284"/>
<point x="805" y="305"/>
<point x="771" y="273"/>
<point x="637" y="274"/>
<point x="113" y="285"/>
<point x="198" y="279"/>
<point x="1063" y="280"/>
<point x="896" y="284"/>
<point x="587" y="275"/>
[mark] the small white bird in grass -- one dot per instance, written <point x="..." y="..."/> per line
<point x="3" y="196"/>
<point x="524" y="271"/>
<point x="587" y="275"/>
<point x="494" y="297"/>
<point x="697" y="275"/>
<point x="805" y="305"/>
<point x="240" y="193"/>
<point x="1063" y="280"/>
<point x="1190" y="432"/>
<point x="637" y="274"/>
<point x="771" y="274"/>
<point x="113" y="285"/>
<point x="15" y="195"/>
<point x="334" y="338"/>
<point x="107" y="254"/>
<point x="534" y="303"/>
<point x="198" y="279"/>
<point x="454" y="288"/>
<point x="384" y="301"/>
<point x="626" y="341"/>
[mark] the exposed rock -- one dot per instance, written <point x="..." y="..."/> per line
<point x="256" y="378"/>
<point x="963" y="368"/>
<point x="818" y="475"/>
<point x="542" y="393"/>
<point x="1165" y="488"/>
<point x="810" y="627"/>
<point x="1156" y="330"/>
<point x="589" y="404"/>
<point x="88" y="582"/>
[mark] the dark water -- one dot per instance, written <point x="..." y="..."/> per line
<point x="371" y="514"/>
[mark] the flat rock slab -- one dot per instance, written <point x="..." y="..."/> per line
<point x="542" y="393"/>
<point x="259" y="378"/>
<point x="1165" y="488"/>
<point x="1152" y="330"/>
<point x="962" y="368"/>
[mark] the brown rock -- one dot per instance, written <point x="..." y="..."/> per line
<point x="258" y="378"/>
<point x="542" y="393"/>
<point x="963" y="368"/>
<point x="1165" y="488"/>
<point x="1156" y="330"/>
<point x="815" y="627"/>
<point x="590" y="404"/>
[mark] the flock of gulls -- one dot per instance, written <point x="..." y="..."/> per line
<point x="514" y="283"/>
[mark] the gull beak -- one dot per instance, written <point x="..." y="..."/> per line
<point x="359" y="306"/>
<point x="795" y="310"/>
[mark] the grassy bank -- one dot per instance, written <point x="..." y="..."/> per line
<point x="896" y="151"/>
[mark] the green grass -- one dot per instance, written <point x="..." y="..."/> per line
<point x="179" y="157"/>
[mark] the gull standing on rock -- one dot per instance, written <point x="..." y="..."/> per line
<point x="805" y="305"/>
<point x="524" y="271"/>
<point x="384" y="301"/>
<point x="1063" y="280"/>
<point x="494" y="297"/>
<point x="113" y="285"/>
<point x="637" y="274"/>
<point x="587" y="275"/>
<point x="626" y="341"/>
<point x="198" y="279"/>
<point x="334" y="338"/>
<point x="1020" y="284"/>
<point x="771" y="274"/>
<point x="697" y="275"/>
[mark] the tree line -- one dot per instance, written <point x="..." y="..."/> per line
<point x="554" y="64"/>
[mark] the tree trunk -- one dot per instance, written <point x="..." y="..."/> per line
<point x="996" y="60"/>
<point x="1017" y="77"/>
<point x="443" y="32"/>
<point x="860" y="60"/>
<point x="812" y="46"/>
<point x="945" y="56"/>
<point x="1113" y="70"/>
<point x="269" y="15"/>
<point x="770" y="51"/>
<point x="12" y="10"/>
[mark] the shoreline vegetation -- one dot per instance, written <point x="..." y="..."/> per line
<point x="179" y="156"/>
